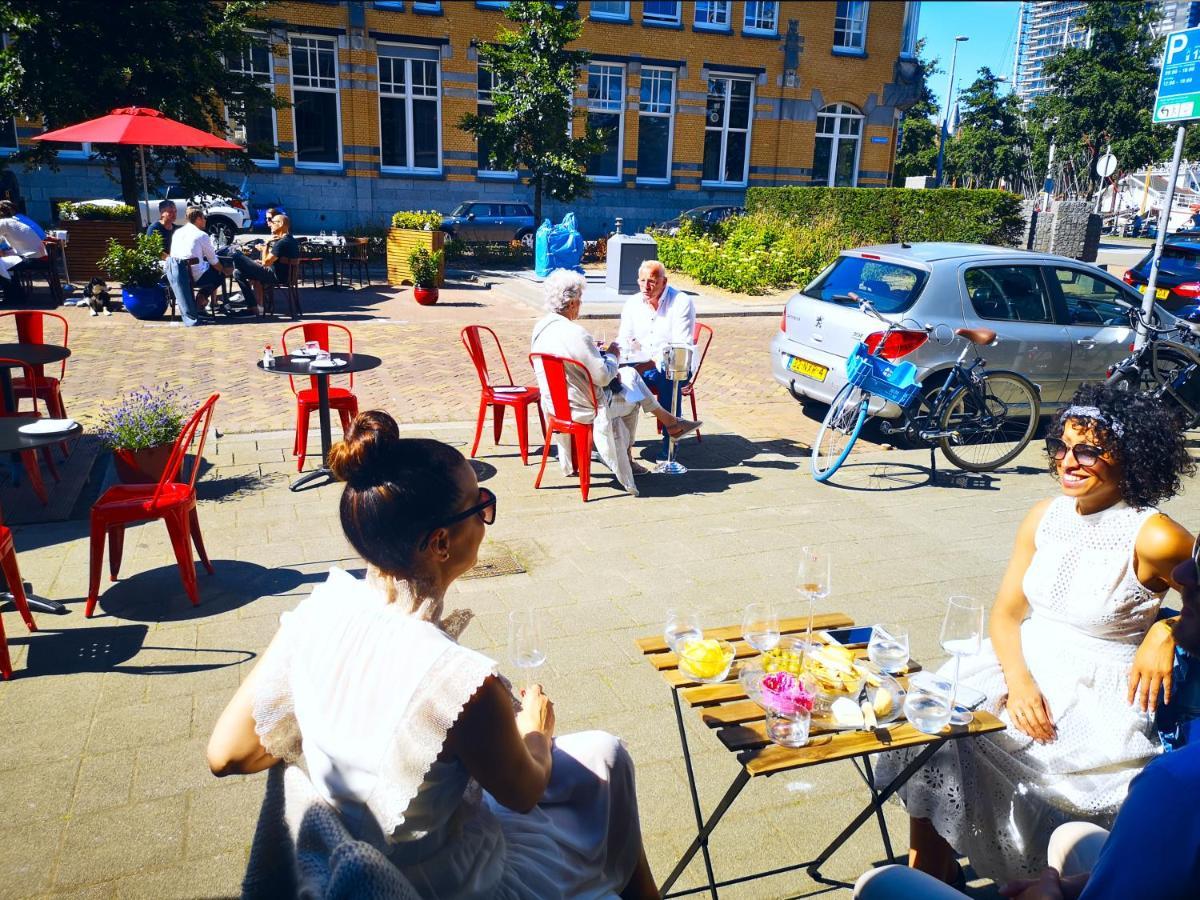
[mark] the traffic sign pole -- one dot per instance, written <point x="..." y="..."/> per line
<point x="1164" y="221"/>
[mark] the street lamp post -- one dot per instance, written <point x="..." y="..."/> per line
<point x="949" y="101"/>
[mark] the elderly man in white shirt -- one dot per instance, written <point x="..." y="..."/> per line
<point x="620" y="391"/>
<point x="653" y="319"/>
<point x="191" y="241"/>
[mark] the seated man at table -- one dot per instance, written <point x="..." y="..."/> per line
<point x="25" y="246"/>
<point x="619" y="399"/>
<point x="192" y="242"/>
<point x="282" y="246"/>
<point x="651" y="320"/>
<point x="165" y="227"/>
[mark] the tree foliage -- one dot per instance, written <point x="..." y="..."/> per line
<point x="990" y="142"/>
<point x="917" y="150"/>
<point x="72" y="60"/>
<point x="535" y="74"/>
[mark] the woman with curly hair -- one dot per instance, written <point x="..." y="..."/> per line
<point x="1076" y="660"/>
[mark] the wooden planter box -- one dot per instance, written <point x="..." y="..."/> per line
<point x="400" y="243"/>
<point x="89" y="242"/>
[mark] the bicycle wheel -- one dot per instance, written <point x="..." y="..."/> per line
<point x="839" y="430"/>
<point x="994" y="420"/>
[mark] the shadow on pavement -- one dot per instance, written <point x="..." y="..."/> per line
<point x="901" y="476"/>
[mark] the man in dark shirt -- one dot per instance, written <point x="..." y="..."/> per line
<point x="282" y="246"/>
<point x="165" y="226"/>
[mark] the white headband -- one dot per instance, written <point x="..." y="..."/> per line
<point x="1092" y="412"/>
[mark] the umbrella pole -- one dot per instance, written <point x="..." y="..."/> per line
<point x="145" y="189"/>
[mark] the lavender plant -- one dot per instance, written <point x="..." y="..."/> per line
<point x="142" y="419"/>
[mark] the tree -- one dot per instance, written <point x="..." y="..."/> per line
<point x="917" y="150"/>
<point x="72" y="60"/>
<point x="534" y="77"/>
<point x="990" y="142"/>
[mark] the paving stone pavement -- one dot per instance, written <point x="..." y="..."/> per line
<point x="102" y="770"/>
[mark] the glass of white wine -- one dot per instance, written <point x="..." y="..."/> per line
<point x="525" y="646"/>
<point x="813" y="580"/>
<point x="962" y="635"/>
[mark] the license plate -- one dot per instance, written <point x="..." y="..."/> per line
<point x="1159" y="293"/>
<point x="815" y="371"/>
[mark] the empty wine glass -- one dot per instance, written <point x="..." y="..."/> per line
<point x="760" y="626"/>
<point x="888" y="647"/>
<point x="683" y="626"/>
<point x="525" y="647"/>
<point x="962" y="635"/>
<point x="812" y="580"/>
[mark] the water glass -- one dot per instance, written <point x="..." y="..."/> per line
<point x="682" y="627"/>
<point x="927" y="711"/>
<point x="888" y="647"/>
<point x="789" y="729"/>
<point x="760" y="626"/>
<point x="525" y="646"/>
<point x="962" y="635"/>
<point x="311" y="348"/>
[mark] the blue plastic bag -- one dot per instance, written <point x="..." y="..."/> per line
<point x="541" y="258"/>
<point x="558" y="247"/>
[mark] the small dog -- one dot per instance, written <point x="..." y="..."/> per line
<point x="98" y="297"/>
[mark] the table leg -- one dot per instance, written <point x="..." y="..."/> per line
<point x="868" y="775"/>
<point x="10" y="404"/>
<point x="701" y="841"/>
<point x="321" y="471"/>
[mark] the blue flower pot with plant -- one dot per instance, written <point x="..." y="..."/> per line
<point x="139" y="270"/>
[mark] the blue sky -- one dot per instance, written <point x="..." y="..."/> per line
<point x="991" y="27"/>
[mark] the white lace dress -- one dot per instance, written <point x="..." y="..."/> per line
<point x="997" y="798"/>
<point x="367" y="692"/>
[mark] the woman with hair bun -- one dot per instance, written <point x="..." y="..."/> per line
<point x="400" y="725"/>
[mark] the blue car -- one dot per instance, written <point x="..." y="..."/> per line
<point x="1178" y="274"/>
<point x="479" y="220"/>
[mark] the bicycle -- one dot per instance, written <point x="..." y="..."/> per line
<point x="979" y="419"/>
<point x="1166" y="367"/>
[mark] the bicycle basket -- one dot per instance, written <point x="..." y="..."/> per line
<point x="893" y="381"/>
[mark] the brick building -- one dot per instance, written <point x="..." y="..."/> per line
<point x="703" y="98"/>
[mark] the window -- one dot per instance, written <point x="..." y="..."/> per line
<point x="486" y="82"/>
<point x="835" y="158"/>
<point x="610" y="9"/>
<point x="727" y="130"/>
<point x="908" y="38"/>
<point x="390" y="4"/>
<point x="1091" y="300"/>
<point x="433" y="6"/>
<point x="516" y="210"/>
<point x="605" y="92"/>
<point x="317" y="109"/>
<point x="662" y="12"/>
<point x="257" y="130"/>
<point x="850" y="26"/>
<point x="712" y="14"/>
<point x="655" y="110"/>
<point x="891" y="288"/>
<point x="1008" y="293"/>
<point x="762" y="17"/>
<point x="410" y="121"/>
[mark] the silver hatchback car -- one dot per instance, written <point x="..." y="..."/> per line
<point x="1059" y="322"/>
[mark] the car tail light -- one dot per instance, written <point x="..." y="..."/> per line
<point x="898" y="343"/>
<point x="1188" y="289"/>
<point x="868" y="256"/>
<point x="783" y="322"/>
<point x="1128" y="276"/>
<point x="237" y="204"/>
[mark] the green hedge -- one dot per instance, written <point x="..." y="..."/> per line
<point x="891" y="215"/>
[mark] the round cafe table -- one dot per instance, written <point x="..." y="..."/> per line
<point x="31" y="354"/>
<point x="297" y="365"/>
<point x="13" y="441"/>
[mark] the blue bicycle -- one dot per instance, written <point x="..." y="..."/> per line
<point x="979" y="419"/>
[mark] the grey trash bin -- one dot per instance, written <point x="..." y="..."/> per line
<point x="626" y="252"/>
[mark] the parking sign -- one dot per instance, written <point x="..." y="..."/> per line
<point x="1179" y="79"/>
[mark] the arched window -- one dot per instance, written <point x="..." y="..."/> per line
<point x="835" y="158"/>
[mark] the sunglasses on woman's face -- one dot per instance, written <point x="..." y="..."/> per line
<point x="1085" y="454"/>
<point x="485" y="509"/>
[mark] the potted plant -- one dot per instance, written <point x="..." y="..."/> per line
<point x="91" y="226"/>
<point x="139" y="271"/>
<point x="426" y="274"/>
<point x="411" y="229"/>
<point x="141" y="429"/>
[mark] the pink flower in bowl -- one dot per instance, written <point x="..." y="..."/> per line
<point x="784" y="693"/>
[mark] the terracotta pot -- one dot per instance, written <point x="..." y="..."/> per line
<point x="141" y="466"/>
<point x="426" y="296"/>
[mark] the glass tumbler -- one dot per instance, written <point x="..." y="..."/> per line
<point x="789" y="729"/>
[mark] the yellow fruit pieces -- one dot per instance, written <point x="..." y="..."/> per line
<point x="704" y="658"/>
<point x="779" y="660"/>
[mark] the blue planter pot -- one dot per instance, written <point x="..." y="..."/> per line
<point x="145" y="303"/>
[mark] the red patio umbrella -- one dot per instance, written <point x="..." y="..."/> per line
<point x="140" y="126"/>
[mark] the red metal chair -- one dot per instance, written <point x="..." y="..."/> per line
<point x="29" y="457"/>
<point x="502" y="395"/>
<point x="341" y="399"/>
<point x="31" y="329"/>
<point x="554" y="370"/>
<point x="12" y="574"/>
<point x="171" y="500"/>
<point x="702" y="336"/>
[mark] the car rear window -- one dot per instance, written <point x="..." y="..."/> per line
<point x="890" y="287"/>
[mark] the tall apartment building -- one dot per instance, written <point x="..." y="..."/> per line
<point x="701" y="99"/>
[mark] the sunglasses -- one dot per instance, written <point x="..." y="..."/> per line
<point x="1085" y="454"/>
<point x="485" y="509"/>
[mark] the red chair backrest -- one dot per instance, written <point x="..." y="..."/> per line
<point x="197" y="423"/>
<point x="554" y="369"/>
<point x="472" y="338"/>
<point x="319" y="332"/>
<point x="31" y="329"/>
<point x="31" y="379"/>
<point x="705" y="333"/>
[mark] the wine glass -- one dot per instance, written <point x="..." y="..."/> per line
<point x="888" y="647"/>
<point x="962" y="635"/>
<point x="525" y="646"/>
<point x="812" y="580"/>
<point x="760" y="626"/>
<point x="683" y="627"/>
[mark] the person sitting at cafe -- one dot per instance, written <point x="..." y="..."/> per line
<point x="281" y="248"/>
<point x="25" y="247"/>
<point x="165" y="227"/>
<point x="619" y="398"/>
<point x="658" y="316"/>
<point x="192" y="242"/>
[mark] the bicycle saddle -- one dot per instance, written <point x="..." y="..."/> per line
<point x="981" y="336"/>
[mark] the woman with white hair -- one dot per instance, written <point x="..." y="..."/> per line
<point x="621" y="393"/>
